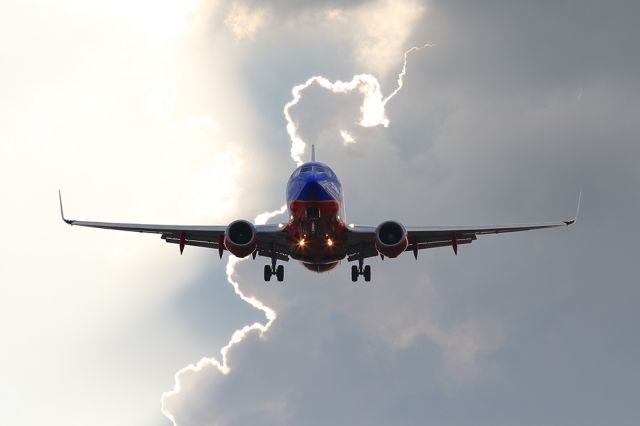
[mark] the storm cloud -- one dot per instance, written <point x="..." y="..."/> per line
<point x="516" y="108"/>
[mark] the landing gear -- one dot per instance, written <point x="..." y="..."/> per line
<point x="272" y="269"/>
<point x="367" y="273"/>
<point x="280" y="273"/>
<point x="267" y="273"/>
<point x="360" y="270"/>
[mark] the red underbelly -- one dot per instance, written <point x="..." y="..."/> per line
<point x="316" y="234"/>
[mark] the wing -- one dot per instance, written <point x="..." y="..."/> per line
<point x="271" y="238"/>
<point x="360" y="239"/>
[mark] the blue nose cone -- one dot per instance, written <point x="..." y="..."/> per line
<point x="313" y="182"/>
<point x="313" y="190"/>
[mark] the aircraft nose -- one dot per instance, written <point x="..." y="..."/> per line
<point x="313" y="190"/>
<point x="319" y="188"/>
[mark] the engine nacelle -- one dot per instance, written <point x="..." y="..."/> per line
<point x="240" y="238"/>
<point x="391" y="239"/>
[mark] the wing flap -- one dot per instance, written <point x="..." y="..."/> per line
<point x="422" y="246"/>
<point x="192" y="243"/>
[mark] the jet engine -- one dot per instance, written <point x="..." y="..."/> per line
<point x="391" y="239"/>
<point x="240" y="238"/>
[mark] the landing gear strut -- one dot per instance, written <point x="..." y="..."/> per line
<point x="360" y="270"/>
<point x="273" y="270"/>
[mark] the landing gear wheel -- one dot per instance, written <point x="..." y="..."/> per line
<point x="354" y="273"/>
<point x="367" y="273"/>
<point x="280" y="272"/>
<point x="267" y="272"/>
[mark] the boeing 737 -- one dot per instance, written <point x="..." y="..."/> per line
<point x="316" y="234"/>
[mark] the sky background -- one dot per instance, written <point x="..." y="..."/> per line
<point x="172" y="112"/>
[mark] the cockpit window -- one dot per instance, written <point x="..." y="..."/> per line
<point x="317" y="169"/>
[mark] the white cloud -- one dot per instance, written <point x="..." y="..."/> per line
<point x="95" y="108"/>
<point x="382" y="31"/>
<point x="245" y="20"/>
<point x="346" y="137"/>
<point x="372" y="107"/>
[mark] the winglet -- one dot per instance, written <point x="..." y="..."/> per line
<point x="70" y="222"/>
<point x="575" y="218"/>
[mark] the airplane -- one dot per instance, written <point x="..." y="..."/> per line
<point x="316" y="234"/>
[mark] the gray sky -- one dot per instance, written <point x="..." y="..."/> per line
<point x="172" y="112"/>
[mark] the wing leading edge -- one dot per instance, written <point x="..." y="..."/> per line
<point x="361" y="238"/>
<point x="271" y="238"/>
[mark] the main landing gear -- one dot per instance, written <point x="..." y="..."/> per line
<point x="360" y="270"/>
<point x="269" y="271"/>
<point x="273" y="270"/>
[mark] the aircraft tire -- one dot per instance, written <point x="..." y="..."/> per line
<point x="267" y="273"/>
<point x="280" y="273"/>
<point x="367" y="273"/>
<point x="354" y="273"/>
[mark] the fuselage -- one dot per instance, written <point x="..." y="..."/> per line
<point x="316" y="225"/>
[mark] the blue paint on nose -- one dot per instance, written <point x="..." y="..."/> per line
<point x="313" y="182"/>
<point x="313" y="190"/>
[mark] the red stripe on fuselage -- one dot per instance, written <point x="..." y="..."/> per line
<point x="316" y="232"/>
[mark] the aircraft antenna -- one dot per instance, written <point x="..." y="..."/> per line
<point x="313" y="152"/>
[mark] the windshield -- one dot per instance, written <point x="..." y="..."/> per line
<point x="317" y="169"/>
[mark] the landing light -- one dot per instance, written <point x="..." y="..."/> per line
<point x="329" y="242"/>
<point x="301" y="243"/>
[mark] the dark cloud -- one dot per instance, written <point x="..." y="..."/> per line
<point x="515" y="47"/>
<point x="517" y="108"/>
